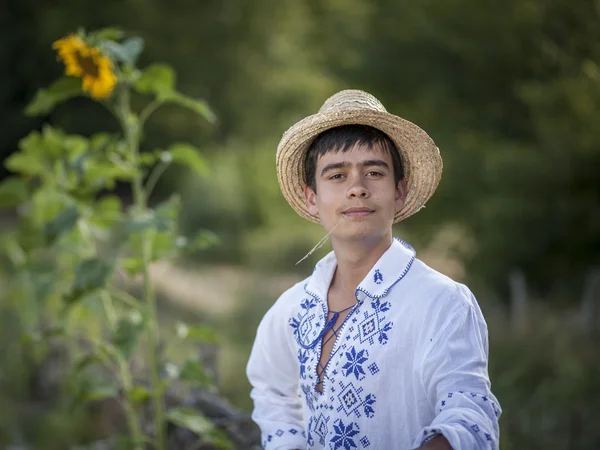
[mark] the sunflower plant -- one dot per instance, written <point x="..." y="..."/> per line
<point x="77" y="250"/>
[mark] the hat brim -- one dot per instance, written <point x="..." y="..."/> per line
<point x="420" y="156"/>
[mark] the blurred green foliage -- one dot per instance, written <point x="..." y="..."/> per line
<point x="73" y="252"/>
<point x="547" y="381"/>
<point x="509" y="92"/>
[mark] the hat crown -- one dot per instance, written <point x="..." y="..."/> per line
<point x="351" y="100"/>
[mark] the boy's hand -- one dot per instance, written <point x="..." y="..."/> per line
<point x="437" y="443"/>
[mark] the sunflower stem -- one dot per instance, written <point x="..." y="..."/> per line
<point x="154" y="177"/>
<point x="131" y="128"/>
<point x="148" y="110"/>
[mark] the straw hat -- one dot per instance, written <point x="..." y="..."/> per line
<point x="420" y="157"/>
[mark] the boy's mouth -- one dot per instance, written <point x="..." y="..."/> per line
<point x="358" y="212"/>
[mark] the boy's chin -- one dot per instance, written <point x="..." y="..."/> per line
<point x="358" y="232"/>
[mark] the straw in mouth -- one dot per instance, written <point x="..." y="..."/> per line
<point x="321" y="243"/>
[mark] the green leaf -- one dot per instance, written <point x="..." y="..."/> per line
<point x="163" y="246"/>
<point x="100" y="141"/>
<point x="189" y="156"/>
<point x="33" y="144"/>
<point x="148" y="159"/>
<point x="64" y="222"/>
<point x="190" y="419"/>
<point x="29" y="237"/>
<point x="53" y="142"/>
<point x="70" y="145"/>
<point x="127" y="333"/>
<point x="47" y="202"/>
<point x="198" y="106"/>
<point x="43" y="286"/>
<point x="127" y="52"/>
<point x="123" y="442"/>
<point x="163" y="222"/>
<point x="54" y="331"/>
<point x="91" y="389"/>
<point x="107" y="211"/>
<point x="163" y="218"/>
<point x="30" y="337"/>
<point x="168" y="212"/>
<point x="133" y="47"/>
<point x="90" y="274"/>
<point x="100" y="174"/>
<point x="109" y="33"/>
<point x="84" y="362"/>
<point x="203" y="240"/>
<point x="100" y="391"/>
<point x="199" y="333"/>
<point x="25" y="163"/>
<point x="133" y="266"/>
<point x="119" y="172"/>
<point x="138" y="394"/>
<point x="156" y="79"/>
<point x="13" y="191"/>
<point x="193" y="372"/>
<point x="46" y="99"/>
<point x="140" y="223"/>
<point x="159" y="79"/>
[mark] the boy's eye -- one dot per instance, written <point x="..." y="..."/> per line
<point x="336" y="176"/>
<point x="374" y="173"/>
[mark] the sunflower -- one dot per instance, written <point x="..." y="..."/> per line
<point x="87" y="63"/>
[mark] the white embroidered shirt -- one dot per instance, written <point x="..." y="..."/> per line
<point x="409" y="362"/>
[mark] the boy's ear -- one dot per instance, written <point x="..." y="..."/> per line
<point x="310" y="198"/>
<point x="401" y="193"/>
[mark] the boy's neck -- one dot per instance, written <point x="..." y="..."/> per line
<point x="355" y="260"/>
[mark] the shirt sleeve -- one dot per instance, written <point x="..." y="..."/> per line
<point x="273" y="373"/>
<point x="455" y="378"/>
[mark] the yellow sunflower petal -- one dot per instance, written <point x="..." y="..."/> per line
<point x="88" y="63"/>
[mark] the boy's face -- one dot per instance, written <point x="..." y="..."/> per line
<point x="357" y="186"/>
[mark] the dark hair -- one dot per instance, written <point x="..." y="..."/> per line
<point x="342" y="139"/>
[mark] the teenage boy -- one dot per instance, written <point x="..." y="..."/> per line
<point x="375" y="350"/>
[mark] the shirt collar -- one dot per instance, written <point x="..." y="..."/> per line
<point x="393" y="265"/>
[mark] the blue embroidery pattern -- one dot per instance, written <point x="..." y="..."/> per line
<point x="321" y="428"/>
<point x="303" y="358"/>
<point x="475" y="427"/>
<point x="351" y="363"/>
<point x="310" y="440"/>
<point x="280" y="433"/>
<point x="308" y="395"/>
<point x="351" y="401"/>
<point x="373" y="368"/>
<point x="474" y="395"/>
<point x="308" y="304"/>
<point x="377" y="277"/>
<point x="343" y="435"/>
<point x="306" y="329"/>
<point x="371" y="327"/>
<point x="429" y="435"/>
<point x="355" y="362"/>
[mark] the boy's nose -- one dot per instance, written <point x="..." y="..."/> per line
<point x="358" y="191"/>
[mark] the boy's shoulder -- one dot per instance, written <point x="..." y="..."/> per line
<point x="437" y="290"/>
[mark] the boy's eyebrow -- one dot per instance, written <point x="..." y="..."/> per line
<point x="375" y="162"/>
<point x="345" y="164"/>
<point x="332" y="166"/>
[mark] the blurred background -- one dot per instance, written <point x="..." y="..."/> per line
<point x="510" y="92"/>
